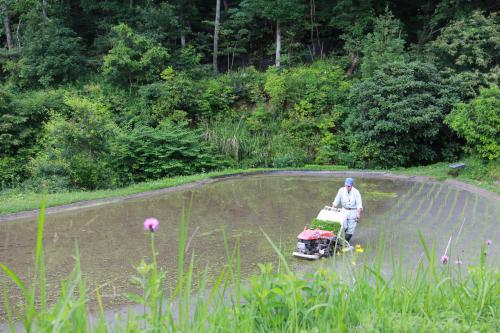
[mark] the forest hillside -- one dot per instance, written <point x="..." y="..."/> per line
<point x="102" y="94"/>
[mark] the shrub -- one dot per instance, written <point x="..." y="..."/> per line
<point x="468" y="49"/>
<point x="383" y="45"/>
<point x="52" y="54"/>
<point x="247" y="84"/>
<point x="22" y="117"/>
<point x="161" y="100"/>
<point x="216" y="98"/>
<point x="275" y="88"/>
<point x="308" y="102"/>
<point x="166" y="150"/>
<point x="133" y="58"/>
<point x="13" y="170"/>
<point x="332" y="145"/>
<point x="478" y="121"/>
<point x="396" y="116"/>
<point x="78" y="148"/>
<point x="469" y="43"/>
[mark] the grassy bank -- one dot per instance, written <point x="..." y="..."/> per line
<point x="432" y="297"/>
<point x="13" y="201"/>
<point x="485" y="176"/>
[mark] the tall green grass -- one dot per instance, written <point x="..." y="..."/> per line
<point x="346" y="294"/>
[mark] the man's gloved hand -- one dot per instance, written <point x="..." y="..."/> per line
<point x="357" y="219"/>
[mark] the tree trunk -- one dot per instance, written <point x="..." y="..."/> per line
<point x="278" y="44"/>
<point x="44" y="10"/>
<point x="8" y="31"/>
<point x="183" y="40"/>
<point x="312" y="13"/>
<point x="216" y="35"/>
<point x="354" y="63"/>
<point x="17" y="33"/>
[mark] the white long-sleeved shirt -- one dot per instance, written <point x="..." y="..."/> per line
<point x="350" y="199"/>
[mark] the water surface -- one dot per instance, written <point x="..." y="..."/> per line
<point x="111" y="240"/>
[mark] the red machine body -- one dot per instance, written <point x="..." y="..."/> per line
<point x="311" y="234"/>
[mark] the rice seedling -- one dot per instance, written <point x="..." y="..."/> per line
<point x="418" y="208"/>
<point x="431" y="204"/>
<point x="451" y="210"/>
<point x="409" y="201"/>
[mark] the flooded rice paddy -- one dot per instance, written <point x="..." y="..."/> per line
<point x="111" y="240"/>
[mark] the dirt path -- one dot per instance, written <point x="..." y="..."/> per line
<point x="367" y="174"/>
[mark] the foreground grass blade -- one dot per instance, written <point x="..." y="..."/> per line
<point x="13" y="276"/>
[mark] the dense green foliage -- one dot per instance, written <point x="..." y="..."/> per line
<point x="359" y="83"/>
<point x="165" y="151"/>
<point x="384" y="45"/>
<point x="396" y="116"/>
<point x="53" y="54"/>
<point x="478" y="122"/>
<point x="469" y="49"/>
<point x="133" y="58"/>
<point x="77" y="147"/>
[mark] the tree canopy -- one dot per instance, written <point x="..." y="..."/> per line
<point x="97" y="94"/>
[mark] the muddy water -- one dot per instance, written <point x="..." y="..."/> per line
<point x="111" y="240"/>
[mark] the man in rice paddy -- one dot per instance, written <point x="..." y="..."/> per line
<point x="350" y="198"/>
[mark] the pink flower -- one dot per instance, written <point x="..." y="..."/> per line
<point x="151" y="224"/>
<point x="444" y="259"/>
<point x="488" y="242"/>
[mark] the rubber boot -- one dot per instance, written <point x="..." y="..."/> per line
<point x="348" y="237"/>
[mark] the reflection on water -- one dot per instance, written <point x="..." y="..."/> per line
<point x="111" y="240"/>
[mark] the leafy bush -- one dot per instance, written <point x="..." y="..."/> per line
<point x="216" y="98"/>
<point x="78" y="149"/>
<point x="13" y="171"/>
<point x="383" y="45"/>
<point x="323" y="84"/>
<point x="166" y="150"/>
<point x="301" y="128"/>
<point x="52" y="54"/>
<point x="478" y="121"/>
<point x="133" y="58"/>
<point x="396" y="116"/>
<point x="308" y="103"/>
<point x="247" y="84"/>
<point x="187" y="59"/>
<point x="260" y="120"/>
<point x="275" y="88"/>
<point x="22" y="117"/>
<point x="178" y="92"/>
<point x="469" y="50"/>
<point x="332" y="146"/>
<point x="469" y="43"/>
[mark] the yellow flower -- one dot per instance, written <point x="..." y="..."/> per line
<point x="358" y="246"/>
<point x="360" y="250"/>
<point x="353" y="262"/>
